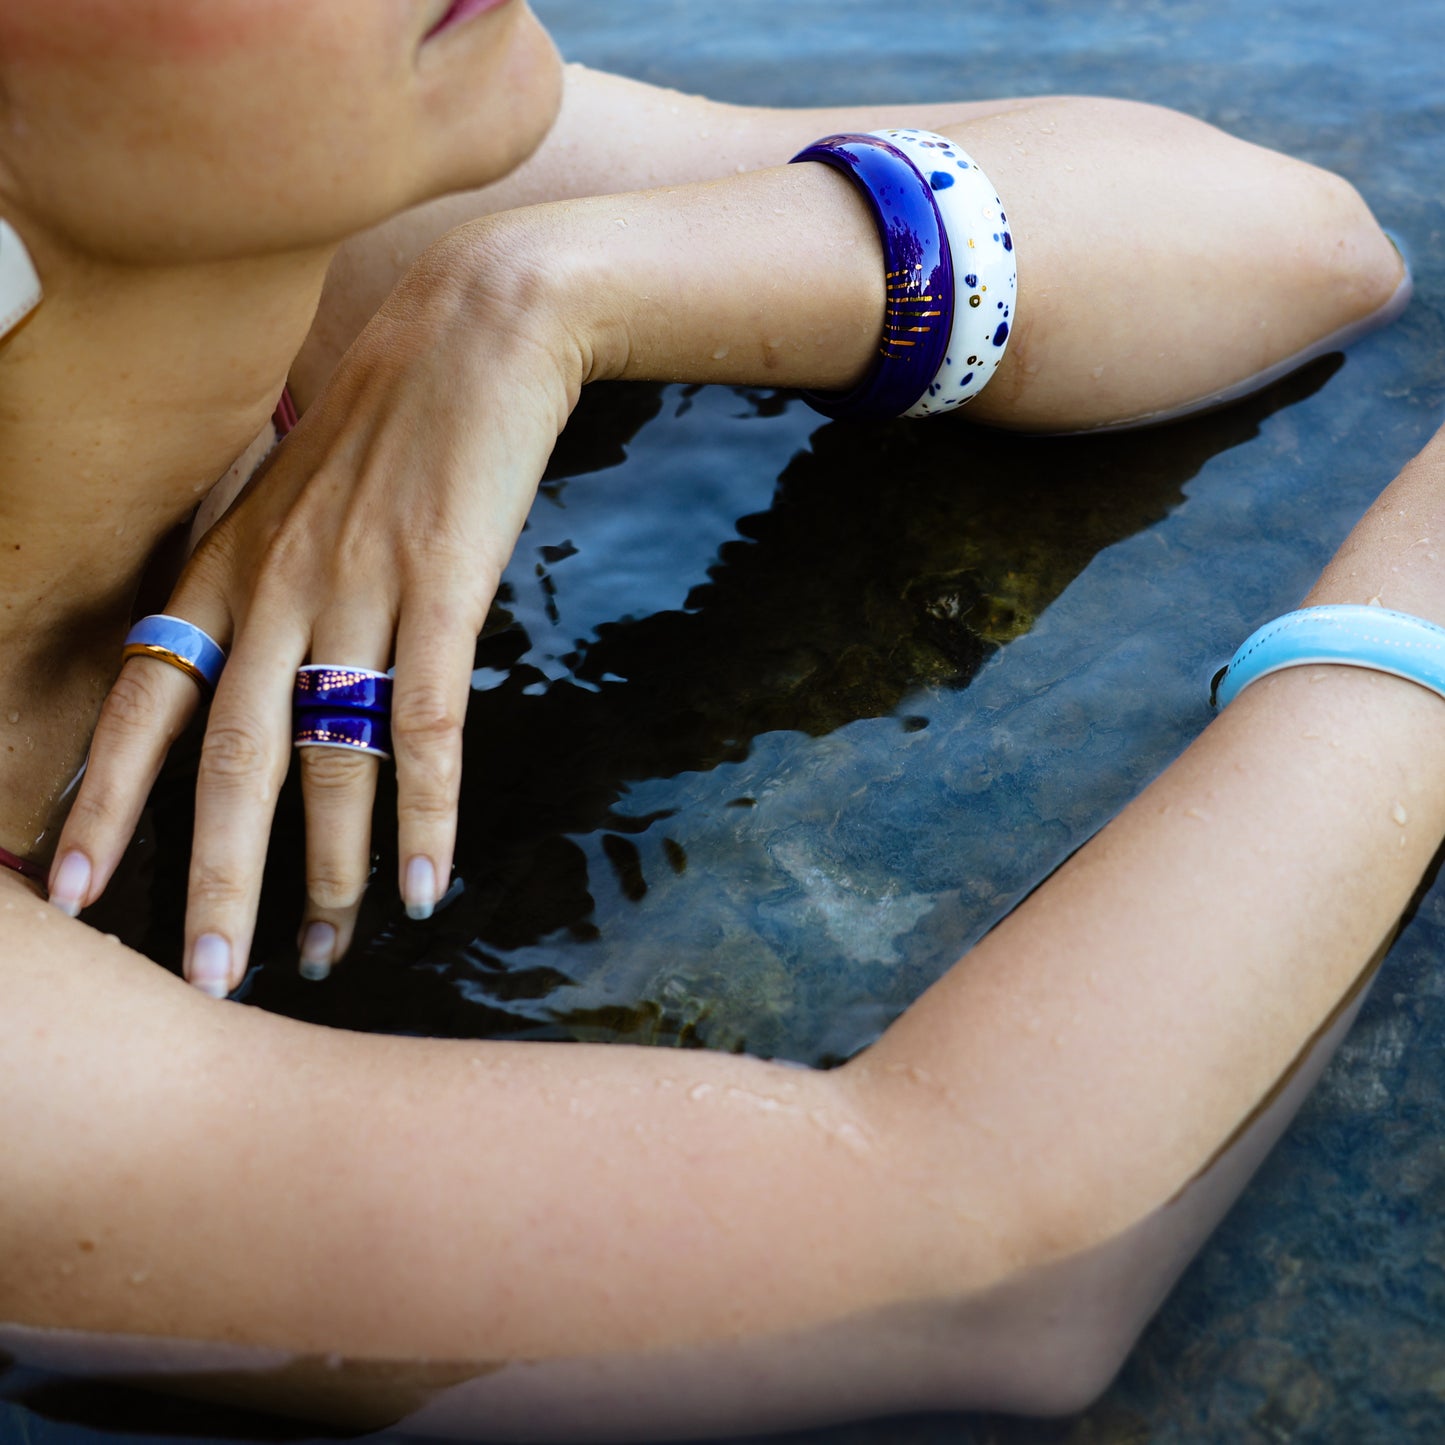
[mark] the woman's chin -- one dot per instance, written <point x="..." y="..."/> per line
<point x="489" y="142"/>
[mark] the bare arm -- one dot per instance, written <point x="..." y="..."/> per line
<point x="612" y="135"/>
<point x="177" y="1168"/>
<point x="1155" y="270"/>
<point x="1147" y="237"/>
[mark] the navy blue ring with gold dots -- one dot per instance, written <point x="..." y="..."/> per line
<point x="358" y="689"/>
<point x="360" y="731"/>
<point x="918" y="267"/>
<point x="342" y="707"/>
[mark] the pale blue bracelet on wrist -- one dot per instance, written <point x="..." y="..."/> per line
<point x="1348" y="636"/>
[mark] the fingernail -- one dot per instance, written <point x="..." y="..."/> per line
<point x="318" y="948"/>
<point x="210" y="969"/>
<point x="420" y="891"/>
<point x="72" y="883"/>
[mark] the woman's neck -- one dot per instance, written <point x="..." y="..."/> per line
<point x="122" y="401"/>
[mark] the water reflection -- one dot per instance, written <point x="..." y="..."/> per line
<point x="675" y="830"/>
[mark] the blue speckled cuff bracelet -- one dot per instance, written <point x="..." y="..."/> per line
<point x="1348" y="636"/>
<point x="945" y="238"/>
<point x="985" y="274"/>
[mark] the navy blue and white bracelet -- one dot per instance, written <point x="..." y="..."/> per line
<point x="1348" y="636"/>
<point x="949" y="272"/>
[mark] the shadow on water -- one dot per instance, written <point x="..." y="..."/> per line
<point x="892" y="558"/>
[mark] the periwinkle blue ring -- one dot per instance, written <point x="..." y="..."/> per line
<point x="350" y="689"/>
<point x="1346" y="635"/>
<point x="918" y="272"/>
<point x="180" y="643"/>
<point x="362" y="732"/>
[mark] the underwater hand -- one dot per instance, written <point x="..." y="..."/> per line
<point x="376" y="535"/>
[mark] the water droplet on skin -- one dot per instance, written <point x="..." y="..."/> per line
<point x="849" y="1135"/>
<point x="911" y="1072"/>
<point x="720" y="354"/>
<point x="766" y="1102"/>
<point x="1399" y="814"/>
<point x="13" y="715"/>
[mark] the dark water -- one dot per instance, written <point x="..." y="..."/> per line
<point x="779" y="715"/>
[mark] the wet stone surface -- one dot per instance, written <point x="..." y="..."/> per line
<point x="775" y="716"/>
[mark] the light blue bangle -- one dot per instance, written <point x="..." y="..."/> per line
<point x="179" y="643"/>
<point x="1372" y="637"/>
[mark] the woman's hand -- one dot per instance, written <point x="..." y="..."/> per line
<point x="376" y="533"/>
<point x="382" y="527"/>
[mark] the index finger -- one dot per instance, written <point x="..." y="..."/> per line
<point x="148" y="707"/>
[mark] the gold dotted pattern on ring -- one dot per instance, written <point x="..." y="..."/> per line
<point x="332" y="677"/>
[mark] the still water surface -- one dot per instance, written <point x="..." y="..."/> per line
<point x="777" y="716"/>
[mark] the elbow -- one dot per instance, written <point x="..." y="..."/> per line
<point x="1045" y="1344"/>
<point x="1336" y="263"/>
<point x="1353" y="260"/>
<point x="1048" y="1342"/>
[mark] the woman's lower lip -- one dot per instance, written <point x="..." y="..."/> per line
<point x="461" y="10"/>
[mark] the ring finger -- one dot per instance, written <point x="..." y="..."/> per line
<point x="339" y="741"/>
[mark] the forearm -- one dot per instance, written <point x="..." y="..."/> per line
<point x="391" y="1198"/>
<point x="1154" y="269"/>
<point x="612" y="135"/>
<point x="1106" y="1039"/>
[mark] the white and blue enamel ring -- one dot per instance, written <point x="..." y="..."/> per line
<point x="985" y="272"/>
<point x="178" y="643"/>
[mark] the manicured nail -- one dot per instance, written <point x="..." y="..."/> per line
<point x="210" y="969"/>
<point x="318" y="948"/>
<point x="420" y="892"/>
<point x="72" y="883"/>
